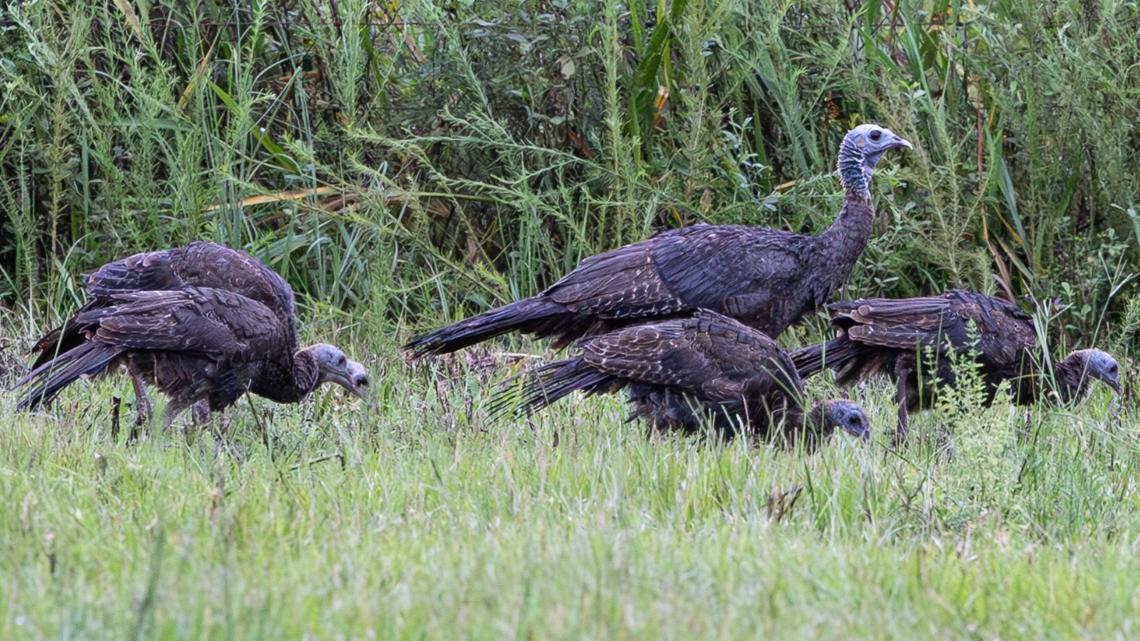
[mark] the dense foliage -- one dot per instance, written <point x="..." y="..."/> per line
<point x="410" y="154"/>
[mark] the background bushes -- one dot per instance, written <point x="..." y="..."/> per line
<point x="408" y="160"/>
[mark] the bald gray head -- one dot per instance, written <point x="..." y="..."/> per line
<point x="842" y="414"/>
<point x="860" y="151"/>
<point x="334" y="367"/>
<point x="1101" y="366"/>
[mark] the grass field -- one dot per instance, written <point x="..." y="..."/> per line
<point x="408" y="162"/>
<point x="419" y="521"/>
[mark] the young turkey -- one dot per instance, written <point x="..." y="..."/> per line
<point x="206" y="266"/>
<point x="893" y="337"/>
<point x="685" y="372"/>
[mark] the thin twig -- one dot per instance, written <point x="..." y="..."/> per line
<point x="320" y="459"/>
<point x="260" y="426"/>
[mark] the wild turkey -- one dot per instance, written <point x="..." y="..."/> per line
<point x="763" y="277"/>
<point x="684" y="372"/>
<point x="194" y="344"/>
<point x="894" y="337"/>
<point x="199" y="264"/>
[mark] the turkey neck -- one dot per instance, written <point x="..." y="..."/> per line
<point x="289" y="382"/>
<point x="843" y="242"/>
<point x="816" y="423"/>
<point x="1072" y="381"/>
<point x="810" y="429"/>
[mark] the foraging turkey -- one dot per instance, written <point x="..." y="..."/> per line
<point x="199" y="264"/>
<point x="211" y="268"/>
<point x="196" y="343"/>
<point x="885" y="335"/>
<point x="763" y="277"/>
<point x="681" y="372"/>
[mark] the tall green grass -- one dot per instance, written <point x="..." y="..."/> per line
<point x="424" y="521"/>
<point x="451" y="156"/>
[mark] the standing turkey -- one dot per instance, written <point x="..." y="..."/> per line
<point x="763" y="277"/>
<point x="895" y="336"/>
<point x="199" y="264"/>
<point x="685" y="372"/>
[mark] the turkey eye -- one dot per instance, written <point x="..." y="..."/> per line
<point x="340" y="361"/>
<point x="876" y="135"/>
<point x="854" y="420"/>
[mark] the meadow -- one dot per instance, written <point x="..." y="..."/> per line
<point x="423" y="522"/>
<point x="404" y="164"/>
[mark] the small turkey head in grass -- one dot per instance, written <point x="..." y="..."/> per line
<point x="833" y="414"/>
<point x="1086" y="364"/>
<point x="334" y="367"/>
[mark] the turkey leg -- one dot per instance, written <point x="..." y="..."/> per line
<point x="143" y="408"/>
<point x="903" y="369"/>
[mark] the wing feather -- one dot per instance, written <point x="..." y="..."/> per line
<point x="202" y="320"/>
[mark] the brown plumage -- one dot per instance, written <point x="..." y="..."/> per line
<point x="204" y="323"/>
<point x="683" y="372"/>
<point x="199" y="264"/>
<point x="893" y="337"/>
<point x="763" y="277"/>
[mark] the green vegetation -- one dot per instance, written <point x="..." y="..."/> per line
<point x="406" y="163"/>
<point x="413" y="154"/>
<point x="425" y="522"/>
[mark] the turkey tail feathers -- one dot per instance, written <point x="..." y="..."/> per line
<point x="49" y="378"/>
<point x="516" y="316"/>
<point x="833" y="354"/>
<point x="531" y="391"/>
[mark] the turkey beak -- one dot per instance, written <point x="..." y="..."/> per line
<point x="357" y="379"/>
<point x="359" y="384"/>
<point x="899" y="143"/>
<point x="1113" y="381"/>
<point x="861" y="431"/>
<point x="889" y="140"/>
<point x="858" y="427"/>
